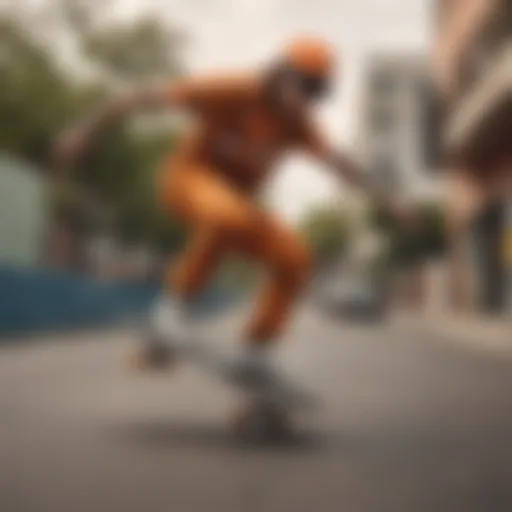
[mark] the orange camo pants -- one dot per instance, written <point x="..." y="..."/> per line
<point x="223" y="220"/>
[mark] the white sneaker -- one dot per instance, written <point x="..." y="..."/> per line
<point x="254" y="366"/>
<point x="170" y="321"/>
<point x="256" y="370"/>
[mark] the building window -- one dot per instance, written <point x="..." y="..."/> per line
<point x="430" y="127"/>
<point x="446" y="9"/>
<point x="488" y="229"/>
<point x="385" y="172"/>
<point x="382" y="120"/>
<point x="382" y="84"/>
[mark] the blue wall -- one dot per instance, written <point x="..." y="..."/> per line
<point x="35" y="300"/>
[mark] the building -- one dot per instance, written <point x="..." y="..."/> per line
<point x="35" y="230"/>
<point x="23" y="214"/>
<point x="472" y="68"/>
<point x="395" y="126"/>
<point x="398" y="143"/>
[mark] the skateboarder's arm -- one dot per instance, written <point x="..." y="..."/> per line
<point x="75" y="140"/>
<point x="340" y="163"/>
<point x="196" y="95"/>
<point x="350" y="171"/>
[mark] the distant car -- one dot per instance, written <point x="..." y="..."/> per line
<point x="353" y="297"/>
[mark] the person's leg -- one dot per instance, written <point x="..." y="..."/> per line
<point x="172" y="314"/>
<point x="227" y="221"/>
<point x="288" y="262"/>
<point x="197" y="263"/>
<point x="224" y="220"/>
<point x="217" y="214"/>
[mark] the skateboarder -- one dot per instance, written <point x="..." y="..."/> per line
<point x="244" y="123"/>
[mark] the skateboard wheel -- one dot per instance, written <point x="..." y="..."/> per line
<point x="152" y="357"/>
<point x="261" y="424"/>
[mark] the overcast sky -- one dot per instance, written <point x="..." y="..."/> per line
<point x="230" y="34"/>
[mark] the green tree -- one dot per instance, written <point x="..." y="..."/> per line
<point x="34" y="96"/>
<point x="406" y="247"/>
<point x="327" y="231"/>
<point x="40" y="96"/>
<point x="135" y="52"/>
<point x="432" y="228"/>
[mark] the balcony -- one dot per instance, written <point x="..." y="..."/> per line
<point x="479" y="58"/>
<point x="482" y="96"/>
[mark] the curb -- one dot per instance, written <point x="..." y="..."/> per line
<point x="487" y="335"/>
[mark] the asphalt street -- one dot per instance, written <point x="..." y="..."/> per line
<point x="407" y="423"/>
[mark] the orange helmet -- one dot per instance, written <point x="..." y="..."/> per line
<point x="306" y="66"/>
<point x="311" y="56"/>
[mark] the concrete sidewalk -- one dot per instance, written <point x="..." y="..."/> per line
<point x="474" y="331"/>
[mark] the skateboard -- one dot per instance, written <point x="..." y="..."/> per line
<point x="269" y="402"/>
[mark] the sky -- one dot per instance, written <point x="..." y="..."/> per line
<point x="233" y="34"/>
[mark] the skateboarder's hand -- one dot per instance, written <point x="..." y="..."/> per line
<point x="404" y="215"/>
<point x="70" y="145"/>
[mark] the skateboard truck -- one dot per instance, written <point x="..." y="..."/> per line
<point x="270" y="398"/>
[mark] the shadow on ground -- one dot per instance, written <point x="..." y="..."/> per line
<point x="217" y="437"/>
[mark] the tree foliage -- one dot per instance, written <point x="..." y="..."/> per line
<point x="46" y="83"/>
<point x="426" y="241"/>
<point x="327" y="231"/>
<point x="153" y="51"/>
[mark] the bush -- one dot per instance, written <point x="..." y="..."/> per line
<point x="327" y="231"/>
<point x="408" y="248"/>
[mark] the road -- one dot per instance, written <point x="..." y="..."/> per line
<point x="407" y="424"/>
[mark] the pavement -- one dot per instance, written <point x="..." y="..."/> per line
<point x="473" y="331"/>
<point x="409" y="423"/>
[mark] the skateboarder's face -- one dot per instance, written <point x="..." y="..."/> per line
<point x="293" y="90"/>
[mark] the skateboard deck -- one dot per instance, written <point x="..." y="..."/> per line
<point x="269" y="401"/>
<point x="272" y="390"/>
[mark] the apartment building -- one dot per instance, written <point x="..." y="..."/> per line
<point x="472" y="68"/>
